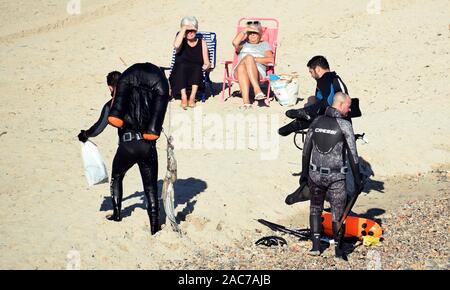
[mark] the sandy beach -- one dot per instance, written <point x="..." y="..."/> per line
<point x="396" y="60"/>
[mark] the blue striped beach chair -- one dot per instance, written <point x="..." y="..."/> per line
<point x="211" y="42"/>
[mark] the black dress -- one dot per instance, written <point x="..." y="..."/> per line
<point x="187" y="70"/>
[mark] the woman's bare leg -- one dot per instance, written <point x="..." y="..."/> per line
<point x="183" y="98"/>
<point x="244" y="82"/>
<point x="193" y="94"/>
<point x="253" y="73"/>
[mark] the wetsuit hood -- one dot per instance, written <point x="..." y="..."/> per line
<point x="332" y="112"/>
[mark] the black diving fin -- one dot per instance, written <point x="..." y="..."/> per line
<point x="301" y="194"/>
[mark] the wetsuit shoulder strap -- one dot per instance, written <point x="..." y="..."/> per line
<point x="350" y="144"/>
<point x="307" y="147"/>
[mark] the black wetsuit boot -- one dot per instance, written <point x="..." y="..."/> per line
<point x="153" y="211"/>
<point x="153" y="214"/>
<point x="339" y="241"/>
<point x="298" y="114"/>
<point x="116" y="197"/>
<point x="293" y="126"/>
<point x="315" y="223"/>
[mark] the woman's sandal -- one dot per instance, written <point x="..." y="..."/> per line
<point x="260" y="96"/>
<point x="245" y="107"/>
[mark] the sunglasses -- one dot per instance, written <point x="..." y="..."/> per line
<point x="256" y="22"/>
<point x="191" y="31"/>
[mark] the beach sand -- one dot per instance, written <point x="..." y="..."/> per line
<point x="53" y="70"/>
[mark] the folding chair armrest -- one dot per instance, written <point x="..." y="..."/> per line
<point x="226" y="62"/>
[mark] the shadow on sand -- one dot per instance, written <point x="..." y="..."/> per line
<point x="185" y="191"/>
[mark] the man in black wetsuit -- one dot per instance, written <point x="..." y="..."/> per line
<point x="138" y="109"/>
<point x="328" y="83"/>
<point x="329" y="140"/>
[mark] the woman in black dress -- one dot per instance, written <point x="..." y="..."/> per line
<point x="191" y="59"/>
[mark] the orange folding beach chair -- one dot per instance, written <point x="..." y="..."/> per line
<point x="270" y="34"/>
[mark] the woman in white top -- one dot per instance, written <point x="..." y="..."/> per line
<point x="254" y="56"/>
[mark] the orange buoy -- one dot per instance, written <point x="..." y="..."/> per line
<point x="354" y="227"/>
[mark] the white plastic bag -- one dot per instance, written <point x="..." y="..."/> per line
<point x="94" y="166"/>
<point x="292" y="90"/>
<point x="285" y="89"/>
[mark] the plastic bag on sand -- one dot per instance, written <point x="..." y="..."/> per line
<point x="94" y="166"/>
<point x="285" y="88"/>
